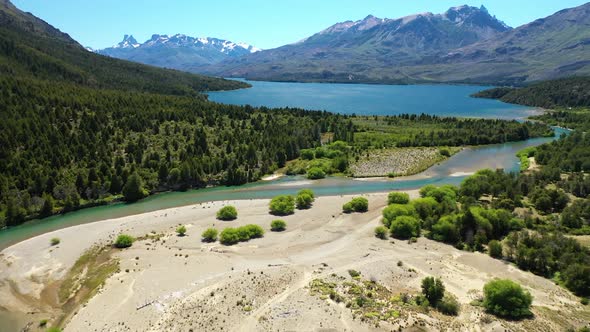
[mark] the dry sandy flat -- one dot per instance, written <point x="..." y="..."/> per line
<point x="182" y="284"/>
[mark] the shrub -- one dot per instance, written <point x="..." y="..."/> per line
<point x="55" y="241"/>
<point x="53" y="329"/>
<point x="315" y="173"/>
<point x="307" y="154"/>
<point x="229" y="236"/>
<point x="448" y="305"/>
<point x="446" y="230"/>
<point x="209" y="235"/>
<point x="398" y="198"/>
<point x="360" y="204"/>
<point x="354" y="273"/>
<point x="405" y="227"/>
<point x="282" y="205"/>
<point x="347" y="208"/>
<point x="577" y="279"/>
<point x="227" y="213"/>
<point x="381" y="232"/>
<point x="43" y="323"/>
<point x="395" y="210"/>
<point x="181" y="230"/>
<point x="124" y="241"/>
<point x="307" y="191"/>
<point x="433" y="289"/>
<point x="506" y="298"/>
<point x="278" y="225"/>
<point x="303" y="201"/>
<point x="495" y="249"/>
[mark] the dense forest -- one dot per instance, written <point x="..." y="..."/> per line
<point x="566" y="92"/>
<point x="63" y="145"/>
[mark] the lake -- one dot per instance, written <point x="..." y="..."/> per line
<point x="366" y="99"/>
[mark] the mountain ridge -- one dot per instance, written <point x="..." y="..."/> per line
<point x="177" y="51"/>
<point x="463" y="45"/>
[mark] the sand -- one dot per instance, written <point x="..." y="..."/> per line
<point x="182" y="284"/>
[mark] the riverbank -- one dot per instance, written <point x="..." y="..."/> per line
<point x="170" y="283"/>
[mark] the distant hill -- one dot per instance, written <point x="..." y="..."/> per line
<point x="463" y="45"/>
<point x="29" y="47"/>
<point x="178" y="52"/>
<point x="566" y="92"/>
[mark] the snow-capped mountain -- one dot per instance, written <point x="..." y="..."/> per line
<point x="178" y="51"/>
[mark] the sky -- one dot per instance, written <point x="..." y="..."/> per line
<point x="262" y="23"/>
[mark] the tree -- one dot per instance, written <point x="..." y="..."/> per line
<point x="278" y="225"/>
<point x="398" y="198"/>
<point x="133" y="189"/>
<point x="48" y="204"/>
<point x="181" y="230"/>
<point x="209" y="235"/>
<point x="446" y="230"/>
<point x="315" y="173"/>
<point x="433" y="289"/>
<point x="124" y="241"/>
<point x="505" y="298"/>
<point x="405" y="227"/>
<point x="495" y="249"/>
<point x="282" y="205"/>
<point x="227" y="213"/>
<point x="577" y="279"/>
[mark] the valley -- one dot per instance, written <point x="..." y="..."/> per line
<point x="137" y="196"/>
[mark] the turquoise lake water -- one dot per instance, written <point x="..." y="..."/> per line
<point x="441" y="100"/>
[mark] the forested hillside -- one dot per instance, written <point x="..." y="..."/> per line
<point x="567" y="92"/>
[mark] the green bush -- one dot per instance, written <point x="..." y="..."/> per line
<point x="227" y="213"/>
<point x="433" y="289"/>
<point x="577" y="279"/>
<point x="278" y="225"/>
<point x="448" y="305"/>
<point x="303" y="201"/>
<point x="398" y="198"/>
<point x="357" y="204"/>
<point x="405" y="227"/>
<point x="282" y="205"/>
<point x="53" y="329"/>
<point x="446" y="230"/>
<point x="231" y="236"/>
<point x="124" y="241"/>
<point x="506" y="298"/>
<point x="181" y="230"/>
<point x="495" y="249"/>
<point x="209" y="235"/>
<point x="347" y="207"/>
<point x="54" y="241"/>
<point x="395" y="210"/>
<point x="307" y="191"/>
<point x="315" y="173"/>
<point x="381" y="232"/>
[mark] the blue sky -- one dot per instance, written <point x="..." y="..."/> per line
<point x="262" y="23"/>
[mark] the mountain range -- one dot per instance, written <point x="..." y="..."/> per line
<point x="178" y="51"/>
<point x="463" y="45"/>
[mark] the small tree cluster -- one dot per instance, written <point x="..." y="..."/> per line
<point x="315" y="173"/>
<point x="227" y="213"/>
<point x="357" y="204"/>
<point x="398" y="198"/>
<point x="231" y="236"/>
<point x="433" y="290"/>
